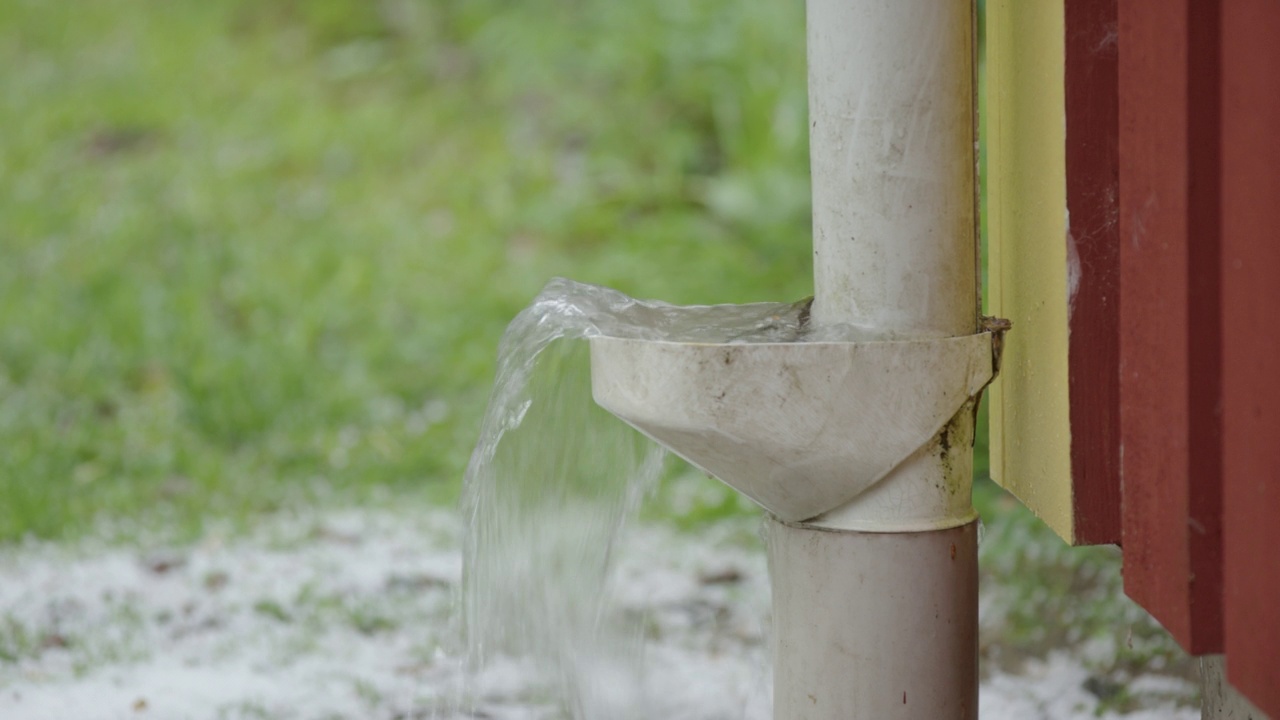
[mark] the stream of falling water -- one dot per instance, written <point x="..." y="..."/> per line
<point x="552" y="485"/>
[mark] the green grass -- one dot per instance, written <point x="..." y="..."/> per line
<point x="257" y="253"/>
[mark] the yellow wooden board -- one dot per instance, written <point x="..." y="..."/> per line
<point x="1027" y="251"/>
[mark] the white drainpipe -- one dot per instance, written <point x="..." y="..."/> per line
<point x="860" y="451"/>
<point x="873" y="621"/>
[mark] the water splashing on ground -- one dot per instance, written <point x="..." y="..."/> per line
<point x="554" y="482"/>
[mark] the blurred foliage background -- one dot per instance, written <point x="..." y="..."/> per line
<point x="262" y="251"/>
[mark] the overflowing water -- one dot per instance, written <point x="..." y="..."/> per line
<point x="554" y="482"/>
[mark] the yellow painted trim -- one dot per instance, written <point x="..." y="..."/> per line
<point x="1027" y="225"/>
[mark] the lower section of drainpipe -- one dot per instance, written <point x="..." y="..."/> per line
<point x="874" y="625"/>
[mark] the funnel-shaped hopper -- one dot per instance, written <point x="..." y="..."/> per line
<point x="801" y="428"/>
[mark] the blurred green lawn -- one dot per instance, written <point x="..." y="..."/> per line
<point x="262" y="252"/>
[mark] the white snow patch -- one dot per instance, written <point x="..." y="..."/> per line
<point x="351" y="615"/>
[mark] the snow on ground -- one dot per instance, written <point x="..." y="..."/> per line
<point x="351" y="616"/>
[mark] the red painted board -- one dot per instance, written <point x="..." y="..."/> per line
<point x="1251" y="346"/>
<point x="1170" y="357"/>
<point x="1093" y="180"/>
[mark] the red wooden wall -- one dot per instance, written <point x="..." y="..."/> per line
<point x="1250" y="267"/>
<point x="1170" y="366"/>
<point x="1093" y="206"/>
<point x="1172" y="150"/>
<point x="1199" y="354"/>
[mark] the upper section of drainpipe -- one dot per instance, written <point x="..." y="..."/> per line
<point x="892" y="156"/>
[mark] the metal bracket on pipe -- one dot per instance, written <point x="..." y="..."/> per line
<point x="801" y="428"/>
